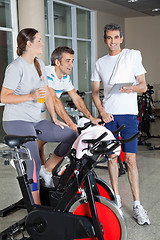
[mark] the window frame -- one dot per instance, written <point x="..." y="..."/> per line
<point x="74" y="37"/>
<point x="13" y="29"/>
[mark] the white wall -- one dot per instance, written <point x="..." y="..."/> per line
<point x="31" y="15"/>
<point x="103" y="18"/>
<point x="143" y="33"/>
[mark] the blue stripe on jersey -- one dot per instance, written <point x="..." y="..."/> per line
<point x="49" y="78"/>
<point x="58" y="91"/>
<point x="65" y="76"/>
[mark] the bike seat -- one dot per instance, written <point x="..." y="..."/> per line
<point x="15" y="141"/>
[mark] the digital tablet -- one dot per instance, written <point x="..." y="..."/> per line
<point x="116" y="87"/>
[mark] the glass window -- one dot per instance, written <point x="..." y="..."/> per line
<point x="7" y="42"/>
<point x="83" y="24"/>
<point x="5" y="13"/>
<point x="63" y="42"/>
<point x="84" y="70"/>
<point x="84" y="65"/>
<point x="62" y="20"/>
<point x="77" y="36"/>
<point x="47" y="54"/>
<point x="46" y="16"/>
<point x="6" y="53"/>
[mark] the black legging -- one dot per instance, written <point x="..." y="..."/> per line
<point x="50" y="133"/>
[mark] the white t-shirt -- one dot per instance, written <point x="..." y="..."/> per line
<point x="119" y="103"/>
<point x="23" y="78"/>
<point x="59" y="85"/>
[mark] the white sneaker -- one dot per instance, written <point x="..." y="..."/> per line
<point x="140" y="214"/>
<point x="118" y="201"/>
<point x="47" y="176"/>
<point x="12" y="163"/>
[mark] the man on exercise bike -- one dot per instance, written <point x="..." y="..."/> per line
<point x="58" y="81"/>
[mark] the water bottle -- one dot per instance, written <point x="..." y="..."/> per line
<point x="42" y="90"/>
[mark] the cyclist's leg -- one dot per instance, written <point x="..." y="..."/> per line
<point x="23" y="128"/>
<point x="54" y="133"/>
<point x="41" y="151"/>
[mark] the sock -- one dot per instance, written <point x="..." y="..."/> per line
<point x="45" y="170"/>
<point x="136" y="203"/>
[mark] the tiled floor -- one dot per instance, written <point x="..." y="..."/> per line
<point x="149" y="170"/>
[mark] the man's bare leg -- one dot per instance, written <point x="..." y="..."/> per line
<point x="41" y="151"/>
<point x="133" y="175"/>
<point x="36" y="197"/>
<point x="113" y="172"/>
<point x="52" y="162"/>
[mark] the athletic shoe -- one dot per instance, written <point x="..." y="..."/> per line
<point x="140" y="214"/>
<point x="118" y="201"/>
<point x="47" y="176"/>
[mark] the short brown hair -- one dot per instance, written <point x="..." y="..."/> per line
<point x="57" y="53"/>
<point x="112" y="27"/>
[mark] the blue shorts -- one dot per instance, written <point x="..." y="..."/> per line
<point x="131" y="127"/>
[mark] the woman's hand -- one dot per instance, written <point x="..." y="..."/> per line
<point x="59" y="123"/>
<point x="39" y="93"/>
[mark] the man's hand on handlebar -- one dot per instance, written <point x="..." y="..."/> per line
<point x="73" y="126"/>
<point x="95" y="120"/>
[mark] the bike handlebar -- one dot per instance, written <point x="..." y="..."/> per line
<point x="87" y="124"/>
<point x="106" y="147"/>
<point x="118" y="130"/>
<point x="93" y="141"/>
<point x="137" y="134"/>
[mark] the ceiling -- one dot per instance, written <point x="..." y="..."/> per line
<point x="122" y="8"/>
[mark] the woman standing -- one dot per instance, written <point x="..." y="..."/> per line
<point x="22" y="113"/>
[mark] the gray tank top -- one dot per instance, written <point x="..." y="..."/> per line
<point x="23" y="78"/>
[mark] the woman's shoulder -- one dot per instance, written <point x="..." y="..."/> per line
<point x="16" y="64"/>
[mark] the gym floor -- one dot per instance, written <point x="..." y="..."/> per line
<point x="148" y="164"/>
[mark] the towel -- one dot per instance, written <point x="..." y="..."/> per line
<point x="123" y="67"/>
<point x="91" y="133"/>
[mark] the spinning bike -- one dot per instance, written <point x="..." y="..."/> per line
<point x="86" y="215"/>
<point x="63" y="175"/>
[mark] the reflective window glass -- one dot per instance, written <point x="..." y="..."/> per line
<point x="6" y="57"/>
<point x="46" y="15"/>
<point x="62" y="20"/>
<point x="5" y="13"/>
<point x="63" y="42"/>
<point x="84" y="70"/>
<point x="83" y="24"/>
<point x="47" y="54"/>
<point x="6" y="52"/>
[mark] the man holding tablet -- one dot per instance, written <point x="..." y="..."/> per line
<point x="123" y="76"/>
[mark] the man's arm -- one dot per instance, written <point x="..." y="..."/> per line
<point x="139" y="88"/>
<point x="60" y="110"/>
<point x="106" y="117"/>
<point x="79" y="103"/>
<point x="51" y="108"/>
